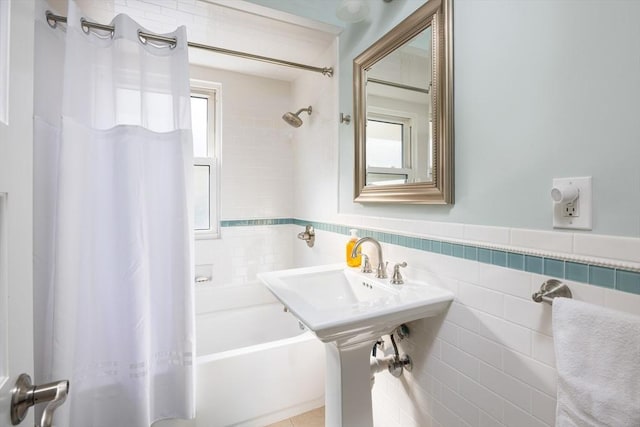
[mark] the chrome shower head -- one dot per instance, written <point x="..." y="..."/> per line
<point x="294" y="119"/>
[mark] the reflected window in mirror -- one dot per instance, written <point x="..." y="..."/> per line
<point x="388" y="149"/>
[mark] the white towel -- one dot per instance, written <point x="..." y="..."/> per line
<point x="598" y="362"/>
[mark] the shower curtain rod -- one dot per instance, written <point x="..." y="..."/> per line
<point x="398" y="85"/>
<point x="53" y="19"/>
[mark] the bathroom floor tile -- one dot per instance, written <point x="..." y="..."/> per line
<point x="283" y="423"/>
<point x="314" y="418"/>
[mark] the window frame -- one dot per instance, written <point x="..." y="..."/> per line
<point x="213" y="92"/>
<point x="408" y="138"/>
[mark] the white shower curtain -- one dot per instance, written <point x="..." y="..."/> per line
<point x="113" y="223"/>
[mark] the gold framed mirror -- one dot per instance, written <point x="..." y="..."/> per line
<point x="403" y="108"/>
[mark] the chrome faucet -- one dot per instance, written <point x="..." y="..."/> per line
<point x="381" y="270"/>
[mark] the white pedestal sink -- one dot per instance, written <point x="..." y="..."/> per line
<point x="348" y="311"/>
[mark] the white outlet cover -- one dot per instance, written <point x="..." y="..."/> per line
<point x="584" y="200"/>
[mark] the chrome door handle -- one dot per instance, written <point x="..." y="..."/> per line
<point x="24" y="395"/>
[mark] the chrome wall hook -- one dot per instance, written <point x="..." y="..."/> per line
<point x="345" y="118"/>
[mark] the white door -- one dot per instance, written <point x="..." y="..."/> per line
<point x="16" y="193"/>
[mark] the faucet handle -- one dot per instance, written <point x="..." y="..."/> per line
<point x="397" y="277"/>
<point x="381" y="270"/>
<point x="366" y="265"/>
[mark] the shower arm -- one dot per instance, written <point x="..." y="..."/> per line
<point x="308" y="110"/>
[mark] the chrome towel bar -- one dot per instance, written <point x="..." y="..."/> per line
<point x="551" y="289"/>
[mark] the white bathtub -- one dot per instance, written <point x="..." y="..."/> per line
<point x="255" y="364"/>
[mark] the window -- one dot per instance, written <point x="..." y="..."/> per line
<point x="205" y="117"/>
<point x="388" y="149"/>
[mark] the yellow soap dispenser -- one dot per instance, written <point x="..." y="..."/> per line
<point x="353" y="262"/>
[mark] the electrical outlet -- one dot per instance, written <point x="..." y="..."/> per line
<point x="572" y="213"/>
<point x="571" y="209"/>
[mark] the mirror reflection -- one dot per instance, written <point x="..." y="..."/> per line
<point x="403" y="111"/>
<point x="399" y="131"/>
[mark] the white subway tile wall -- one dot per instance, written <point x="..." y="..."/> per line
<point x="489" y="361"/>
<point x="314" y="143"/>
<point x="243" y="252"/>
<point x="542" y="240"/>
<point x="487" y="234"/>
<point x="622" y="248"/>
<point x="225" y="26"/>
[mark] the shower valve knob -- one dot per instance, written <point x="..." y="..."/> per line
<point x="308" y="235"/>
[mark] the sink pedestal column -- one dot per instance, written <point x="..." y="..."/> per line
<point x="348" y="385"/>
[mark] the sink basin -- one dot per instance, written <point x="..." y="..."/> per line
<point x="348" y="311"/>
<point x="343" y="304"/>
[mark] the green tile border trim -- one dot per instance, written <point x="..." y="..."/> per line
<point x="597" y="275"/>
<point x="255" y="222"/>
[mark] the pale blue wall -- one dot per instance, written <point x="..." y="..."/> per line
<point x="547" y="89"/>
<point x="543" y="89"/>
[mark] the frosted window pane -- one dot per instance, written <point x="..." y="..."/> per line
<point x="201" y="197"/>
<point x="128" y="106"/>
<point x="384" y="144"/>
<point x="199" y="125"/>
